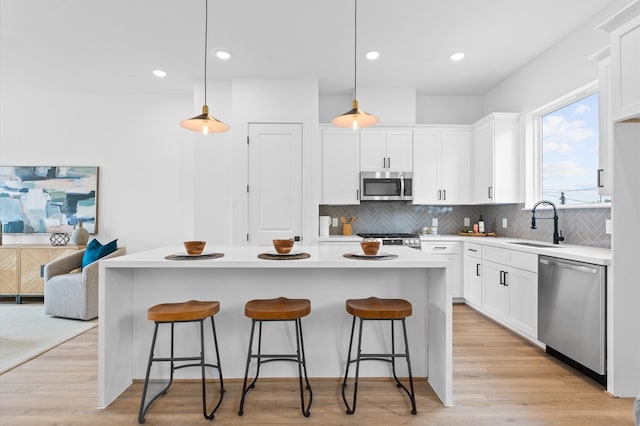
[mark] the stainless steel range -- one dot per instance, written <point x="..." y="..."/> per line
<point x="396" y="239"/>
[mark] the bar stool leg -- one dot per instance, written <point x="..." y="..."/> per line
<point x="246" y="388"/>
<point x="143" y="408"/>
<point x="412" y="395"/>
<point x="211" y="414"/>
<point x="352" y="409"/>
<point x="302" y="365"/>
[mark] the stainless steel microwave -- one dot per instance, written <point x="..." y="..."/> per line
<point x="386" y="186"/>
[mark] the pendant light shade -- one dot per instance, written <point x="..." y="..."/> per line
<point x="205" y="123"/>
<point x="355" y="118"/>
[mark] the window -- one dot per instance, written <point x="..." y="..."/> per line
<point x="566" y="141"/>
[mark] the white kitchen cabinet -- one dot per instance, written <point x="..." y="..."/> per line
<point x="624" y="30"/>
<point x="340" y="167"/>
<point x="495" y="151"/>
<point x="386" y="150"/>
<point x="449" y="251"/>
<point x="605" y="157"/>
<point x="441" y="166"/>
<point x="510" y="289"/>
<point x="472" y="274"/>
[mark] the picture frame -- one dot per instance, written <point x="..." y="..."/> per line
<point x="48" y="199"/>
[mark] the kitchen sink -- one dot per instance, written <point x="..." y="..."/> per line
<point x="536" y="245"/>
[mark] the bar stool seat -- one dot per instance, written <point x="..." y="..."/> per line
<point x="172" y="313"/>
<point x="279" y="309"/>
<point x="375" y="309"/>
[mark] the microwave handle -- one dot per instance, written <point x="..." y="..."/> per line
<point x="402" y="187"/>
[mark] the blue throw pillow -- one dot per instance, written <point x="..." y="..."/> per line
<point x="95" y="251"/>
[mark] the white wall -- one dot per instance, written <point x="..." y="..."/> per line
<point x="274" y="100"/>
<point x="448" y="109"/>
<point x="145" y="196"/>
<point x="556" y="72"/>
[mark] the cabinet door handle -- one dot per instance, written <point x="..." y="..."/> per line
<point x="501" y="277"/>
<point x="506" y="276"/>
<point x="439" y="194"/>
<point x="477" y="269"/>
<point x="388" y="162"/>
<point x="473" y="250"/>
<point x="491" y="192"/>
<point x="444" y="194"/>
<point x="357" y="194"/>
<point x="599" y="178"/>
<point x="384" y="162"/>
<point x="440" y="248"/>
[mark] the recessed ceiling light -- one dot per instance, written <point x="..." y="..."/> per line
<point x="372" y="55"/>
<point x="457" y="56"/>
<point x="159" y="73"/>
<point x="223" y="54"/>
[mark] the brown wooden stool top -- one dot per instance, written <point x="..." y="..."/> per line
<point x="280" y="308"/>
<point x="374" y="308"/>
<point x="186" y="311"/>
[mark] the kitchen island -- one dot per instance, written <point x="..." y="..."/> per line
<point x="131" y="284"/>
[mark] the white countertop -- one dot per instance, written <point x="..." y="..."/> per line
<point x="321" y="256"/>
<point x="595" y="255"/>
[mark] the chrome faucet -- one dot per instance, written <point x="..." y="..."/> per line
<point x="557" y="235"/>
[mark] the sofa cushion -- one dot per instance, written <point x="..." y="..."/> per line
<point x="95" y="251"/>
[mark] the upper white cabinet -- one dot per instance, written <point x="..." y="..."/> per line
<point x="340" y="172"/>
<point x="495" y="150"/>
<point x="386" y="150"/>
<point x="605" y="157"/>
<point x="441" y="166"/>
<point x="624" y="30"/>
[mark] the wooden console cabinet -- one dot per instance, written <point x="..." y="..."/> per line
<point x="22" y="268"/>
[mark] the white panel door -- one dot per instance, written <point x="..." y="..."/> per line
<point x="400" y="150"/>
<point x="275" y="182"/>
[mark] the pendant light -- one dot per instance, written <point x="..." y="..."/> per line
<point x="355" y="118"/>
<point x="205" y="123"/>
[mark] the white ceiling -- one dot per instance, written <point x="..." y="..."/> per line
<point x="114" y="45"/>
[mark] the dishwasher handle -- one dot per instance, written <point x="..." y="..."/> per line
<point x="569" y="265"/>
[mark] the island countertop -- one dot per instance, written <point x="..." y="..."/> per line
<point x="321" y="256"/>
<point x="131" y="284"/>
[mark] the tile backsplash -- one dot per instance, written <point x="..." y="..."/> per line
<point x="579" y="226"/>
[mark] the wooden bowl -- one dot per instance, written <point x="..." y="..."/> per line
<point x="283" y="246"/>
<point x="370" y="248"/>
<point x="194" y="247"/>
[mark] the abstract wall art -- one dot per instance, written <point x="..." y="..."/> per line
<point x="47" y="199"/>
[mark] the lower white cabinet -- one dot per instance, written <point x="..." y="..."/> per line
<point x="510" y="289"/>
<point x="472" y="275"/>
<point x="448" y="251"/>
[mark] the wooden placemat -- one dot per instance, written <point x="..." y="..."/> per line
<point x="198" y="257"/>
<point x="270" y="256"/>
<point x="363" y="257"/>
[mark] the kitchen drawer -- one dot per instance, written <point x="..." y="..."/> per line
<point x="473" y="250"/>
<point x="514" y="258"/>
<point x="441" y="248"/>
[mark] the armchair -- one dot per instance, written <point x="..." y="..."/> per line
<point x="71" y="292"/>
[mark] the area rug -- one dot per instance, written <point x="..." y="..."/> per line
<point x="26" y="332"/>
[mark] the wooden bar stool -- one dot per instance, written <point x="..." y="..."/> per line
<point x="171" y="313"/>
<point x="378" y="310"/>
<point x="280" y="309"/>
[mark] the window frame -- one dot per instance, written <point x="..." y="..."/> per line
<point x="533" y="146"/>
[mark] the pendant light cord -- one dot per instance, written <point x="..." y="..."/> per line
<point x="355" y="50"/>
<point x="206" y="17"/>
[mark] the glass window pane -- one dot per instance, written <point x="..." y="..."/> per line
<point x="570" y="153"/>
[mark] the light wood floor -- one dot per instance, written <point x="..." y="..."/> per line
<point x="498" y="379"/>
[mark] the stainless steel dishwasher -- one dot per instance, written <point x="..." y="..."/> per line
<point x="572" y="313"/>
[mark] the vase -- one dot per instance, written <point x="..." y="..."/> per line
<point x="79" y="236"/>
